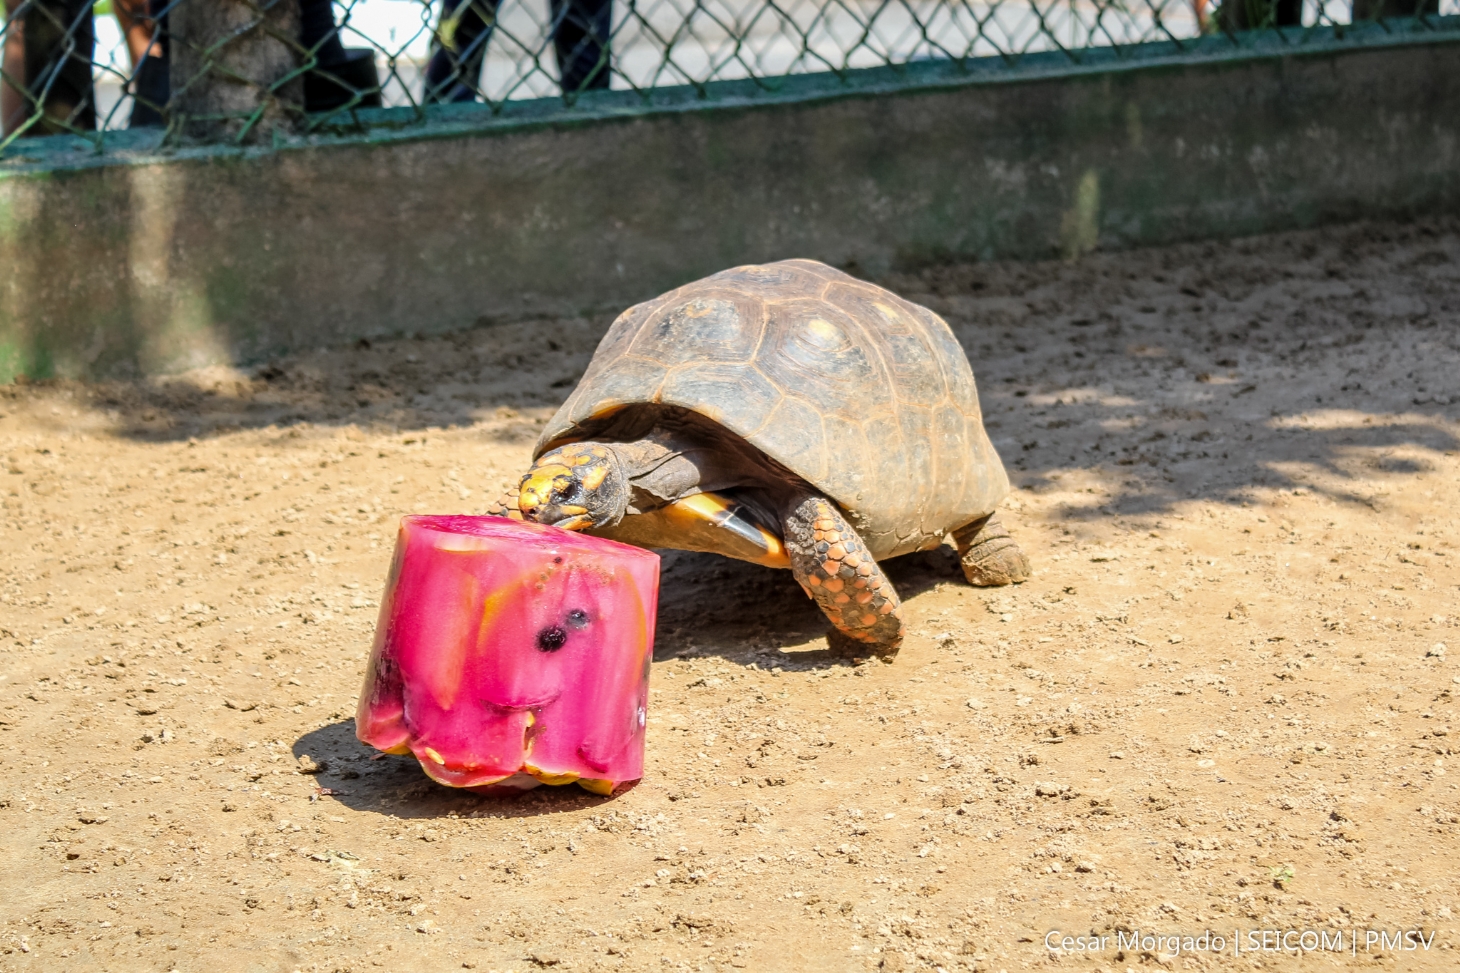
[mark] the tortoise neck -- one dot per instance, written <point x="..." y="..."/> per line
<point x="669" y="464"/>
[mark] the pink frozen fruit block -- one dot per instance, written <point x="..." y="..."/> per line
<point x="510" y="654"/>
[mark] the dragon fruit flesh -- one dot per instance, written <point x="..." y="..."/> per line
<point x="510" y="654"/>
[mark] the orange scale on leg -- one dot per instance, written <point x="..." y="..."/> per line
<point x="852" y="561"/>
<point x="842" y="599"/>
<point x="835" y="584"/>
<point x="864" y="597"/>
<point x="837" y="552"/>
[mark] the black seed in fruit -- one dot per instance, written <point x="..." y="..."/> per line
<point x="551" y="638"/>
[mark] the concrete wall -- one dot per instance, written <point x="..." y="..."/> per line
<point x="144" y="261"/>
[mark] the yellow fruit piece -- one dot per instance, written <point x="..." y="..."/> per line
<point x="603" y="788"/>
<point x="547" y="777"/>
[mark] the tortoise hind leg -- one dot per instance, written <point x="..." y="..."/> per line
<point x="990" y="557"/>
<point x="833" y="566"/>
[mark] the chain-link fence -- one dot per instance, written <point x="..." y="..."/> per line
<point x="248" y="69"/>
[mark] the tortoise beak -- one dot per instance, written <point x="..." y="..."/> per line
<point x="565" y="517"/>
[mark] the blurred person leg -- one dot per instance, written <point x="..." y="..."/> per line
<point x="342" y="76"/>
<point x="580" y="40"/>
<point x="147" y="44"/>
<point x="1376" y="9"/>
<point x="1253" y="14"/>
<point x="318" y="32"/>
<point x="458" y="49"/>
<point x="59" y="44"/>
<point x="13" y="104"/>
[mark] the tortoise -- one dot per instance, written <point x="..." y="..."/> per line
<point x="789" y="415"/>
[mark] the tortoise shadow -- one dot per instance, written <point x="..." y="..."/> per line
<point x="748" y="614"/>
<point x="363" y="779"/>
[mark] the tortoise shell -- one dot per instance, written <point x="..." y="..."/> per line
<point x="866" y="396"/>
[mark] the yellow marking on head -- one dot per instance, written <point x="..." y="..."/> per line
<point x="434" y="755"/>
<point x="537" y="487"/>
<point x="594" y="477"/>
<point x="588" y="455"/>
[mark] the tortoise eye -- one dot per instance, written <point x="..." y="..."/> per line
<point x="570" y="492"/>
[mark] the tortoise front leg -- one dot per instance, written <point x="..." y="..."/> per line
<point x="833" y="566"/>
<point x="506" y="505"/>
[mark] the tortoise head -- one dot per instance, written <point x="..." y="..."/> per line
<point x="575" y="487"/>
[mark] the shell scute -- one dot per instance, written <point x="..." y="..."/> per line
<point x="810" y="344"/>
<point x="627" y="379"/>
<point x="799" y="439"/>
<point x="852" y="458"/>
<point x="732" y="395"/>
<point x="915" y="429"/>
<point x="806" y="277"/>
<point x="950" y="437"/>
<point x="719" y="326"/>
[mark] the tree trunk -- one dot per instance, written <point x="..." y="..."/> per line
<point x="230" y="61"/>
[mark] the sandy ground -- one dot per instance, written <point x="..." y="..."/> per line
<point x="1224" y="702"/>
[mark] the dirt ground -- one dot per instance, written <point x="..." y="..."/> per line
<point x="1224" y="702"/>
